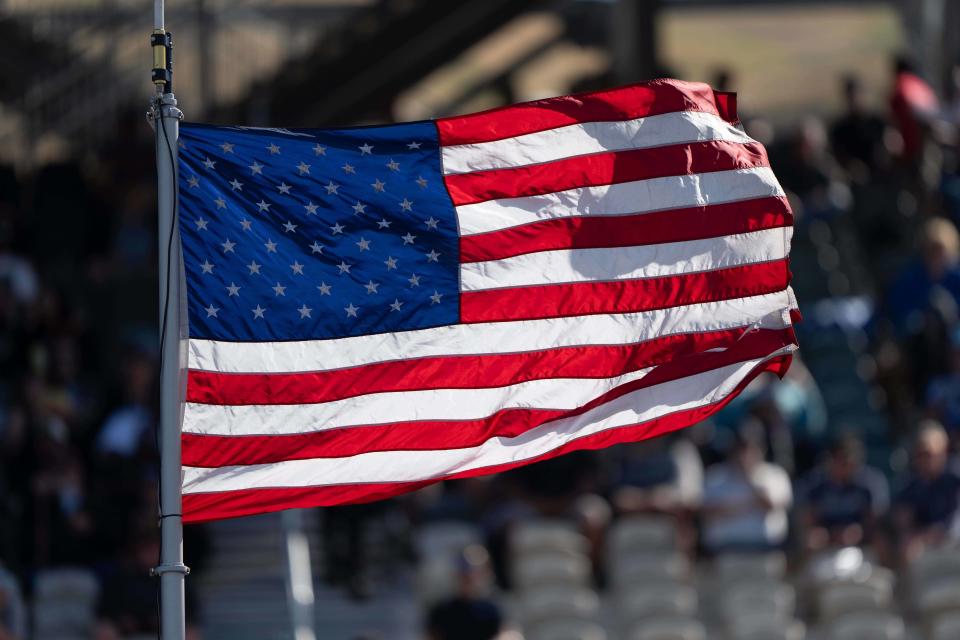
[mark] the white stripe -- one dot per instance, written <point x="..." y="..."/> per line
<point x="398" y="406"/>
<point x="679" y="127"/>
<point x="624" y="263"/>
<point x="626" y="198"/>
<point x="485" y="338"/>
<point x="404" y="466"/>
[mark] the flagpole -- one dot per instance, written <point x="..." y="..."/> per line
<point x="165" y="118"/>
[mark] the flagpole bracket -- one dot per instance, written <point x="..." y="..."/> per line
<point x="163" y="106"/>
<point x="162" y="73"/>
<point x="170" y="567"/>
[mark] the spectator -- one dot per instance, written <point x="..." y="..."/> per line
<point x="745" y="500"/>
<point x="926" y="505"/>
<point x="857" y="136"/>
<point x="663" y="475"/>
<point x="840" y="502"/>
<point x="936" y="269"/>
<point x="470" y="614"/>
<point x="943" y="392"/>
<point x="913" y="104"/>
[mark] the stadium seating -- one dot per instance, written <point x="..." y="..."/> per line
<point x="669" y="628"/>
<point x="868" y="625"/>
<point x="64" y="604"/>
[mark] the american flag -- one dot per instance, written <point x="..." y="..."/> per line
<point x="374" y="309"/>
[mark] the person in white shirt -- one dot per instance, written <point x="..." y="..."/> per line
<point x="745" y="499"/>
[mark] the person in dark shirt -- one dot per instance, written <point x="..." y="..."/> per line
<point x="469" y="614"/>
<point x="927" y="505"/>
<point x="857" y="136"/>
<point x="841" y="500"/>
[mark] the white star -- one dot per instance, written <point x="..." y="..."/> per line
<point x="245" y="224"/>
<point x="324" y="288"/>
<point x="284" y="188"/>
<point x="273" y="149"/>
<point x="255" y="168"/>
<point x="201" y="224"/>
<point x="279" y="290"/>
<point x="316" y="247"/>
<point x="319" y="150"/>
<point x="378" y="185"/>
<point x="228" y="245"/>
<point x="431" y="223"/>
<point x="206" y="266"/>
<point x="254" y="267"/>
<point x="433" y="256"/>
<point x="371" y="287"/>
<point x="271" y="246"/>
<point x="393" y="165"/>
<point x="365" y="149"/>
<point x="212" y="311"/>
<point x="413" y="145"/>
<point x="435" y="298"/>
<point x="236" y="184"/>
<point x="364" y="244"/>
<point x="193" y="182"/>
<point x="311" y="208"/>
<point x="257" y="312"/>
<point x="344" y="267"/>
<point x="384" y="223"/>
<point x="263" y="205"/>
<point x="233" y="290"/>
<point x="422" y="182"/>
<point x="414" y="280"/>
<point x="303" y="168"/>
<point x="331" y="187"/>
<point x="406" y="205"/>
<point x="337" y="228"/>
<point x="221" y="203"/>
<point x="297" y="268"/>
<point x="351" y="311"/>
<point x="409" y="238"/>
<point x="348" y="168"/>
<point x="391" y="263"/>
<point x="290" y="227"/>
<point x="359" y="208"/>
<point x="304" y="311"/>
<point x="395" y="305"/>
<point x="209" y="164"/>
<point x="227" y="147"/>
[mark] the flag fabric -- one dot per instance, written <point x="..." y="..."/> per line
<point x="374" y="309"/>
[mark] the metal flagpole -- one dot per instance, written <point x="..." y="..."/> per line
<point x="165" y="118"/>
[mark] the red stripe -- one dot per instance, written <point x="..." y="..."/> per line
<point x="586" y="232"/>
<point x="219" y="451"/>
<point x="449" y="372"/>
<point x="622" y="296"/>
<point x="201" y="507"/>
<point x="604" y="168"/>
<point x="625" y="103"/>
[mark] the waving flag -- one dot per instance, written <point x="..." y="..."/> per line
<point x="375" y="309"/>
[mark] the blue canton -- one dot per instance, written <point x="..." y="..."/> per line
<point x="307" y="234"/>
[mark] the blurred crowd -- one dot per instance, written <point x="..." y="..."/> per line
<point x="78" y="363"/>
<point x="774" y="472"/>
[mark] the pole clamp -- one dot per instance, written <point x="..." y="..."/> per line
<point x="162" y="73"/>
<point x="170" y="567"/>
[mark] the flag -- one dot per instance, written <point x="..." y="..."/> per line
<point x="374" y="309"/>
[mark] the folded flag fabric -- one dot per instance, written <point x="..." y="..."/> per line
<point x="374" y="309"/>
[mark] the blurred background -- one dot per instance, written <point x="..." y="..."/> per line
<point x="822" y="507"/>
